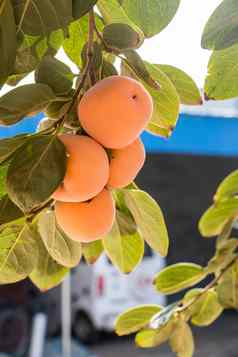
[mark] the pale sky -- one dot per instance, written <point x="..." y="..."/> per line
<point x="178" y="44"/>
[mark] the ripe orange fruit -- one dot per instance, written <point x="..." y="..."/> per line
<point x="125" y="164"/>
<point x="87" y="169"/>
<point x="115" y="111"/>
<point x="87" y="221"/>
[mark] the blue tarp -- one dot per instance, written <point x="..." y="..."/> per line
<point x="197" y="135"/>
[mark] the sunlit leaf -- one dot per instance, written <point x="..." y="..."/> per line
<point x="217" y="216"/>
<point x="181" y="341"/>
<point x="149" y="219"/>
<point x="47" y="274"/>
<point x="187" y="89"/>
<point x="135" y="319"/>
<point x="60" y="247"/>
<point x="228" y="187"/>
<point x="92" y="251"/>
<point x="177" y="277"/>
<point x="18" y="252"/>
<point x="221" y="81"/>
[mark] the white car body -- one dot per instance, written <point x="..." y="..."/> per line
<point x="102" y="292"/>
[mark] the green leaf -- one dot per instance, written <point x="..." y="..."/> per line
<point x="221" y="81"/>
<point x="8" y="41"/>
<point x="60" y="247"/>
<point x="124" y="250"/>
<point x="20" y="102"/>
<point x="18" y="252"/>
<point x="151" y="16"/>
<point x="47" y="274"/>
<point x="81" y="7"/>
<point x="149" y="219"/>
<point x="121" y="37"/>
<point x="228" y="187"/>
<point x="135" y="62"/>
<point x="9" y="212"/>
<point x="135" y="319"/>
<point x="78" y="36"/>
<point x="9" y="146"/>
<point x="112" y="12"/>
<point x="55" y="74"/>
<point x="36" y="171"/>
<point x="227" y="289"/>
<point x="149" y="338"/>
<point x="41" y="17"/>
<point x="92" y="251"/>
<point x="205" y="308"/>
<point x="221" y="30"/>
<point x="178" y="277"/>
<point x="181" y="341"/>
<point x="187" y="89"/>
<point x="3" y="176"/>
<point x="166" y="101"/>
<point x="217" y="216"/>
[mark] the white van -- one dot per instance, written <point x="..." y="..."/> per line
<point x="100" y="293"/>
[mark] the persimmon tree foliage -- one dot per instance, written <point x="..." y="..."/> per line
<point x="95" y="35"/>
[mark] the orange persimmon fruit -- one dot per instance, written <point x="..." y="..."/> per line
<point x="87" y="221"/>
<point x="125" y="164"/>
<point x="115" y="111"/>
<point x="87" y="169"/>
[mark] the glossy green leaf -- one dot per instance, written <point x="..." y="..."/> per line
<point x="215" y="218"/>
<point x="149" y="219"/>
<point x="92" y="251"/>
<point x="124" y="250"/>
<point x="187" y="89"/>
<point x="181" y="341"/>
<point x="221" y="30"/>
<point x="151" y="16"/>
<point x="177" y="277"/>
<point x="135" y="319"/>
<point x="135" y="62"/>
<point x="9" y="212"/>
<point x="55" y="74"/>
<point x="8" y="41"/>
<point x="227" y="289"/>
<point x="112" y="12"/>
<point x="221" y="80"/>
<point x="47" y="273"/>
<point x="60" y="247"/>
<point x="18" y="252"/>
<point x="9" y="146"/>
<point x="228" y="187"/>
<point x="19" y="102"/>
<point x="36" y="171"/>
<point x="121" y="37"/>
<point x="81" y="7"/>
<point x="41" y="17"/>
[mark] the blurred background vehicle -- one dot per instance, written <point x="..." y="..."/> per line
<point x="100" y="293"/>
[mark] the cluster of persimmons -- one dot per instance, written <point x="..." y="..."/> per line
<point x="113" y="113"/>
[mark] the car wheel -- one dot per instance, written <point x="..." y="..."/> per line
<point x="84" y="329"/>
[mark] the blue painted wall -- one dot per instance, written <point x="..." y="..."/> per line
<point x="195" y="135"/>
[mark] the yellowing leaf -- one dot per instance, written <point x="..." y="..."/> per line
<point x="177" y="277"/>
<point x="136" y="318"/>
<point x="181" y="341"/>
